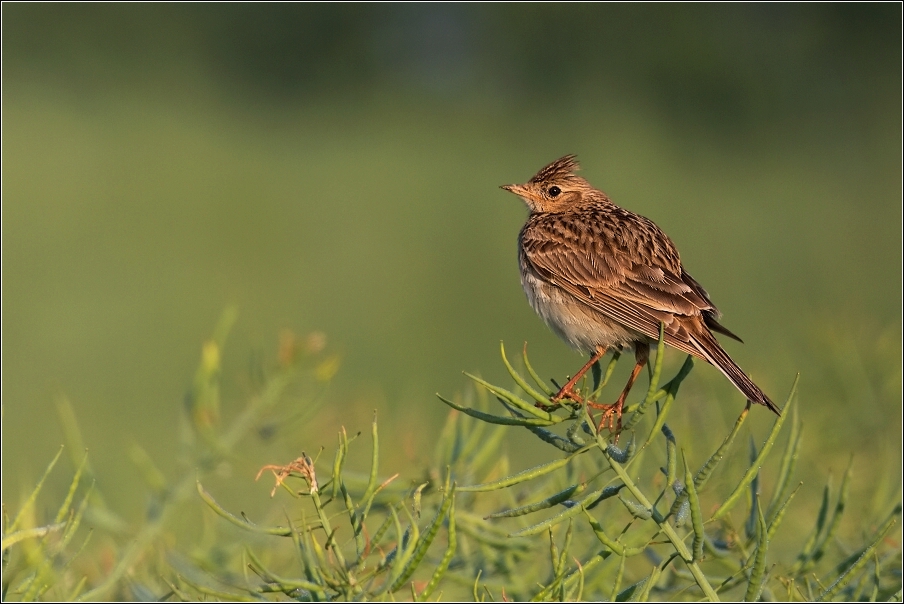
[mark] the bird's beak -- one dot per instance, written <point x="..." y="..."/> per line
<point x="516" y="189"/>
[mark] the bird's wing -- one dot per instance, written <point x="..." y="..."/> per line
<point x="624" y="267"/>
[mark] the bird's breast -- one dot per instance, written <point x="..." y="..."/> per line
<point x="581" y="326"/>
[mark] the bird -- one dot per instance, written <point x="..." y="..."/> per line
<point x="604" y="278"/>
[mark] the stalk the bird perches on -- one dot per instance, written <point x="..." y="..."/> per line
<point x="604" y="278"/>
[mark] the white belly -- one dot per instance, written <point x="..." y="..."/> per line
<point x="578" y="324"/>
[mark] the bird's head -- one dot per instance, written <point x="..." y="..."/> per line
<point x="555" y="188"/>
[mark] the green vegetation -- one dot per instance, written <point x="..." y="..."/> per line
<point x="334" y="169"/>
<point x="597" y="521"/>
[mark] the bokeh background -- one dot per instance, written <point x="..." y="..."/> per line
<point x="335" y="169"/>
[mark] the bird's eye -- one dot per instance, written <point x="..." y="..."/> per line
<point x="554" y="191"/>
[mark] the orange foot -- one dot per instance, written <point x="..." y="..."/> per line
<point x="567" y="391"/>
<point x="564" y="394"/>
<point x="611" y="417"/>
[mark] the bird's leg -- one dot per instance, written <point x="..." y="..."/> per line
<point x="567" y="391"/>
<point x="612" y="414"/>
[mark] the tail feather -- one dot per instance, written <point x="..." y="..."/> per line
<point x="711" y="322"/>
<point x="712" y="351"/>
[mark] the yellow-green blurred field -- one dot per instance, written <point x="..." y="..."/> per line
<point x="335" y="169"/>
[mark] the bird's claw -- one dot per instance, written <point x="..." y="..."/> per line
<point x="566" y="393"/>
<point x="611" y="417"/>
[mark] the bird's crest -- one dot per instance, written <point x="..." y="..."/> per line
<point x="562" y="167"/>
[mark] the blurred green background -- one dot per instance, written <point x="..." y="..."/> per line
<point x="335" y="168"/>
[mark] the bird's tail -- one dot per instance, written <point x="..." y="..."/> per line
<point x="712" y="351"/>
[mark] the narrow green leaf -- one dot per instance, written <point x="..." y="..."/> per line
<point x="515" y="400"/>
<point x="610" y="491"/>
<point x="614" y="546"/>
<point x="706" y="471"/>
<point x="780" y="513"/>
<point x="789" y="461"/>
<point x="758" y="573"/>
<point x="425" y="541"/>
<point x="552" y="500"/>
<point x="529" y="474"/>
<point x="13" y="538"/>
<point x="374" y="462"/>
<point x="849" y="574"/>
<point x="75" y="521"/>
<point x="696" y="511"/>
<point x="671" y="457"/>
<point x="447" y="556"/>
<point x="77" y="590"/>
<point x="322" y="568"/>
<point x="384" y="527"/>
<point x="553" y="550"/>
<point x="670" y="387"/>
<point x="835" y="522"/>
<point x="806" y="553"/>
<point x="597" y="378"/>
<point x="559" y="574"/>
<point x="649" y="584"/>
<point x="356" y="523"/>
<point x="210" y="501"/>
<point x="610" y="367"/>
<point x="405" y="551"/>
<point x="755" y="466"/>
<point x="73" y="487"/>
<point x="657" y="366"/>
<point x="219" y="594"/>
<point x="522" y="383"/>
<point x="482" y="532"/>
<point x="618" y="577"/>
<point x="339" y="461"/>
<point x="327" y="527"/>
<point x="285" y="584"/>
<point x="549" y="437"/>
<point x="574" y="510"/>
<point x="34" y="494"/>
<point x="302" y="541"/>
<point x="370" y="500"/>
<point x="629" y="594"/>
<point x="401" y="537"/>
<point x="577" y="575"/>
<point x="101" y="514"/>
<point x="496" y="419"/>
<point x="533" y="374"/>
<point x="750" y="527"/>
<point x="671" y="393"/>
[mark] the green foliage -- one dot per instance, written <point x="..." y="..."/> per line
<point x="627" y="517"/>
<point x="649" y="536"/>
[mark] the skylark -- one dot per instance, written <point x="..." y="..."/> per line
<point x="604" y="278"/>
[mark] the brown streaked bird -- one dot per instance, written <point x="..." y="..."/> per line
<point x="604" y="278"/>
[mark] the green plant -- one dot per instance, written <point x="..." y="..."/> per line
<point x="45" y="565"/>
<point x="635" y="518"/>
<point x="650" y="519"/>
